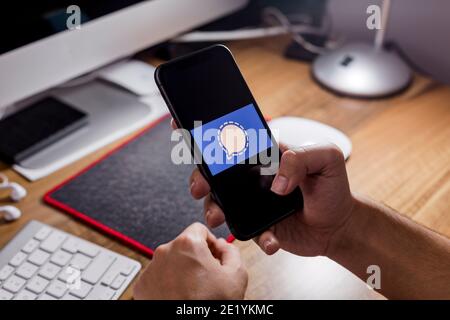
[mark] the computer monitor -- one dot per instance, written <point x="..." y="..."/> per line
<point x="42" y="45"/>
<point x="38" y="51"/>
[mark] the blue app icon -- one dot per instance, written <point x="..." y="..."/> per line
<point x="231" y="139"/>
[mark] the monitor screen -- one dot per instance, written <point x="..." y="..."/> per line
<point x="29" y="21"/>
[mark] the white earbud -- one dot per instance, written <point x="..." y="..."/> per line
<point x="17" y="191"/>
<point x="10" y="213"/>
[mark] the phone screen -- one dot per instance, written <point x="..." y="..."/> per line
<point x="209" y="97"/>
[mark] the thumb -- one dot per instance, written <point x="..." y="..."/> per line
<point x="292" y="170"/>
<point x="268" y="242"/>
<point x="296" y="165"/>
<point x="227" y="253"/>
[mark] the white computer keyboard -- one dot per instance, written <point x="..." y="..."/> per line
<point x="45" y="263"/>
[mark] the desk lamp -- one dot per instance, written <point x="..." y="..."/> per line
<point x="363" y="70"/>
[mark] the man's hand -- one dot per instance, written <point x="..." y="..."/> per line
<point x="196" y="265"/>
<point x="349" y="229"/>
<point x="320" y="173"/>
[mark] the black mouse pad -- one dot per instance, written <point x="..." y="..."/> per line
<point x="135" y="193"/>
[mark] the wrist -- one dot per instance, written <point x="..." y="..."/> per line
<point x="353" y="232"/>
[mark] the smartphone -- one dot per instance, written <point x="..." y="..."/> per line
<point x="30" y="130"/>
<point x="227" y="134"/>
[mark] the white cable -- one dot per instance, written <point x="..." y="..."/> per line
<point x="275" y="14"/>
<point x="243" y="34"/>
<point x="270" y="14"/>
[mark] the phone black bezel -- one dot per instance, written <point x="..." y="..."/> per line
<point x="188" y="59"/>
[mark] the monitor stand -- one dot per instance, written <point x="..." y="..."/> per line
<point x="113" y="113"/>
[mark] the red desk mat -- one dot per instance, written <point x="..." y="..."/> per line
<point x="135" y="193"/>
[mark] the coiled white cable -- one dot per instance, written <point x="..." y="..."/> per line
<point x="271" y="14"/>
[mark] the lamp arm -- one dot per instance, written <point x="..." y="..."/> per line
<point x="380" y="35"/>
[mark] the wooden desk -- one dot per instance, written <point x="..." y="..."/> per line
<point x="401" y="156"/>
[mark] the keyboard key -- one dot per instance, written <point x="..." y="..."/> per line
<point x="98" y="267"/>
<point x="109" y="277"/>
<point x="57" y="289"/>
<point x="107" y="294"/>
<point x="49" y="271"/>
<point x="101" y="293"/>
<point x="64" y="275"/>
<point x="30" y="246"/>
<point x="5" y="272"/>
<point x="71" y="245"/>
<point x="26" y="270"/>
<point x="75" y="245"/>
<point x="82" y="291"/>
<point x="18" y="258"/>
<point x="70" y="275"/>
<point x="5" y="295"/>
<point x="118" y="282"/>
<point x="14" y="284"/>
<point x="46" y="297"/>
<point x="68" y="296"/>
<point x="38" y="257"/>
<point x="88" y="249"/>
<point x="53" y="241"/>
<point x="42" y="233"/>
<point x="60" y="258"/>
<point x="127" y="268"/>
<point x="25" y="295"/>
<point x="120" y="266"/>
<point x="80" y="261"/>
<point x="37" y="284"/>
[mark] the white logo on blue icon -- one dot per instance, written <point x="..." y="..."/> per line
<point x="231" y="139"/>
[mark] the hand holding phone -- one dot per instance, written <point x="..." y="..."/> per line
<point x="328" y="203"/>
<point x="238" y="156"/>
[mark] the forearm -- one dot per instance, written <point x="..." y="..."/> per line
<point x="414" y="261"/>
